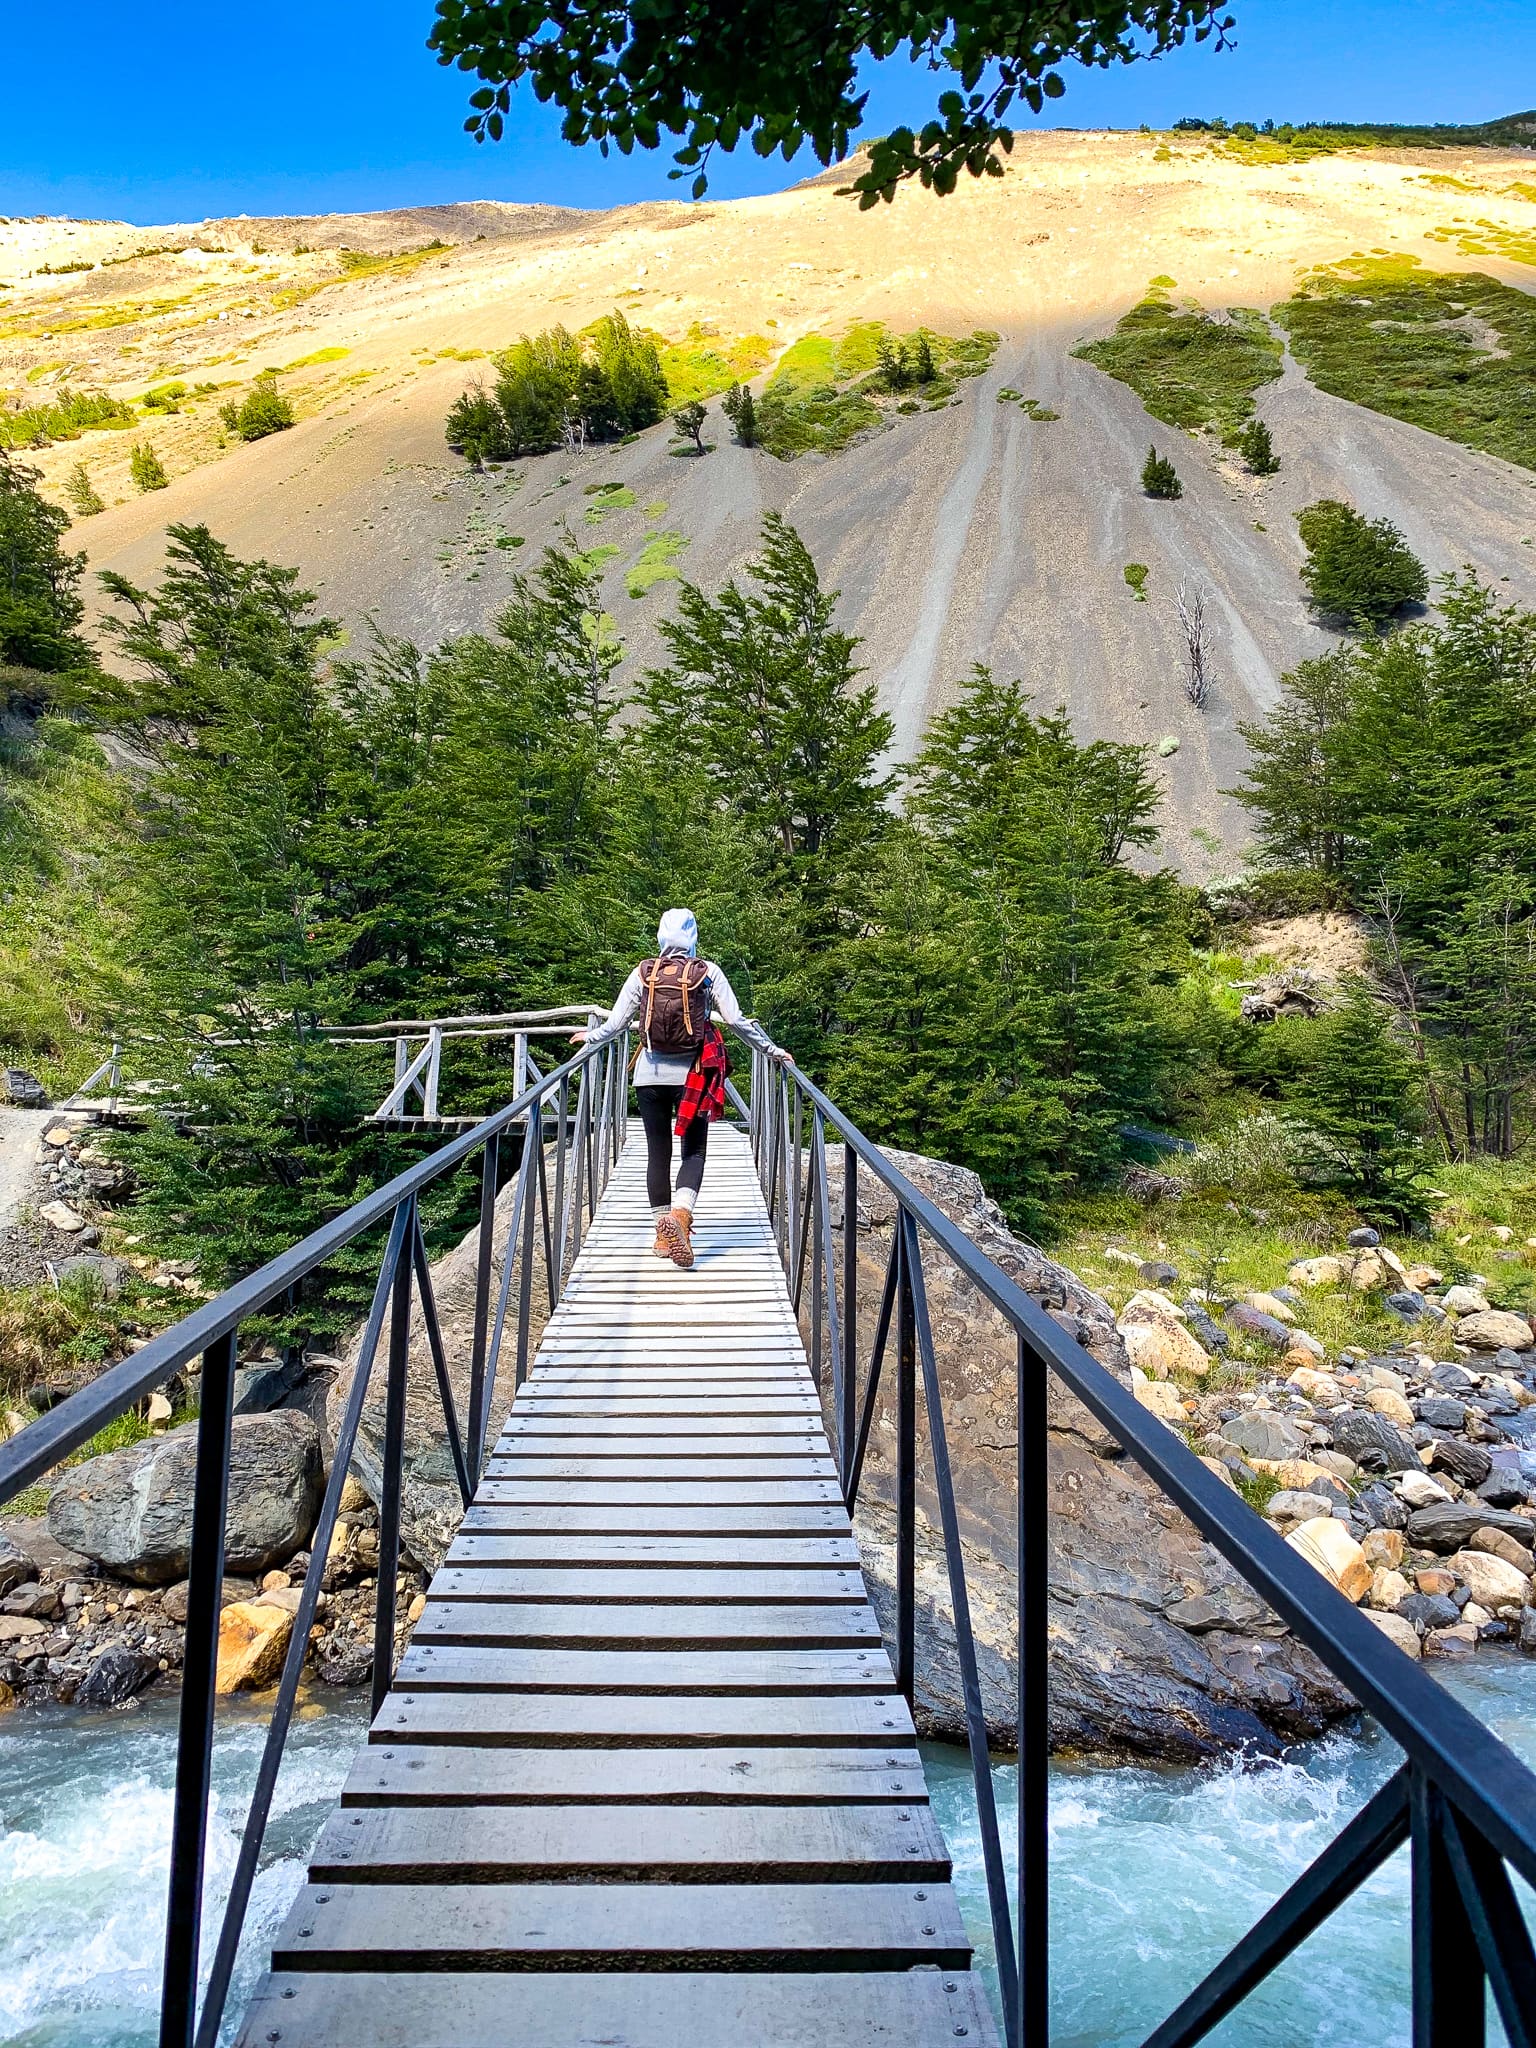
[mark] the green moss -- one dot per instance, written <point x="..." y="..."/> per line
<point x="1384" y="333"/>
<point x="592" y="561"/>
<point x="656" y="563"/>
<point x="609" y="498"/>
<point x="704" y="363"/>
<point x="1135" y="574"/>
<point x="1188" y="368"/>
<point x="319" y="355"/>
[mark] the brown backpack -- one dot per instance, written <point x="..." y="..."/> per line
<point x="674" y="1004"/>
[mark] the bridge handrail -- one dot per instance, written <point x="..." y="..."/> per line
<point x="1463" y="1799"/>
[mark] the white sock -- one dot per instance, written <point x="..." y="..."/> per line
<point x="685" y="1199"/>
<point x="657" y="1214"/>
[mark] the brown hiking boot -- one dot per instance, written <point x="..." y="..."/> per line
<point x="674" y="1230"/>
<point x="661" y="1247"/>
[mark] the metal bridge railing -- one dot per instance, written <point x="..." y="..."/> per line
<point x="566" y="1151"/>
<point x="1462" y="1800"/>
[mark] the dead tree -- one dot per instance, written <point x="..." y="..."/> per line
<point x="1191" y="606"/>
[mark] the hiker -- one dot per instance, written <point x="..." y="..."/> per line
<point x="680" y="1070"/>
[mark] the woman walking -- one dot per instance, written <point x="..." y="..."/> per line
<point x="681" y="1069"/>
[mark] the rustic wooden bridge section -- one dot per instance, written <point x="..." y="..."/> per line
<point x="644" y="1778"/>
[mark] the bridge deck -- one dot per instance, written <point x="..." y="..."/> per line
<point x="646" y="1749"/>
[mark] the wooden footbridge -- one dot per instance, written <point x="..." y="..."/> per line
<point x="646" y="1749"/>
<point x="646" y="1776"/>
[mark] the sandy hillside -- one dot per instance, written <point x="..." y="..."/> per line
<point x="970" y="533"/>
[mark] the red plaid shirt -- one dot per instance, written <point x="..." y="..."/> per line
<point x="704" y="1089"/>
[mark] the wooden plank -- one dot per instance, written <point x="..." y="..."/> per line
<point x="621" y="2009"/>
<point x="523" y="1428"/>
<point x="749" y="1584"/>
<point x="594" y="1722"/>
<point x="689" y="1399"/>
<point x="626" y="1926"/>
<point x="653" y="1555"/>
<point x="856" y="1844"/>
<point x="533" y="1466"/>
<point x="429" y="1666"/>
<point x="413" y="1774"/>
<point x="622" y="1625"/>
<point x="763" y="1522"/>
<point x="622" y="1490"/>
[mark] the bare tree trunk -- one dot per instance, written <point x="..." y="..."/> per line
<point x="1191" y="608"/>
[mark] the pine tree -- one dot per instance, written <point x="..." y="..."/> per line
<point x="82" y="493"/>
<point x="740" y="409"/>
<point x="264" y="410"/>
<point x="894" y="369"/>
<point x="475" y="426"/>
<point x="146" y="468"/>
<point x="689" y="422"/>
<point x="40" y="605"/>
<point x="1358" y="570"/>
<point x="1256" y="446"/>
<point x="1359" y="1108"/>
<point x="1159" y="478"/>
<point x="924" y="369"/>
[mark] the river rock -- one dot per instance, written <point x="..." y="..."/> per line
<point x="119" y="1673"/>
<point x="1373" y="1440"/>
<point x="1420" y="1491"/>
<point x="1253" y="1322"/>
<point x="1161" y="1349"/>
<point x="1396" y="1630"/>
<point x="1321" y="1272"/>
<point x="1159" y="1398"/>
<point x="131" y="1510"/>
<point x="1384" y="1402"/>
<point x="253" y="1640"/>
<point x="1451" y="1525"/>
<point x="1429" y="1610"/>
<point x="1499" y="1544"/>
<point x="1441" y="1411"/>
<point x="60" y="1216"/>
<point x="1457" y="1641"/>
<point x="1383" y="1548"/>
<point x="1328" y="1546"/>
<point x="1388" y="1589"/>
<point x="1265" y="1433"/>
<point x="1495" y="1329"/>
<point x="1464" y="1301"/>
<point x="1492" y="1581"/>
<point x="1320" y="1388"/>
<point x="17" y="1628"/>
<point x="16" y="1568"/>
<point x="1292" y="1506"/>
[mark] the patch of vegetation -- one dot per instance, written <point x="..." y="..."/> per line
<point x="1359" y="571"/>
<point x="1135" y="574"/>
<point x="1275" y="142"/>
<point x="146" y="468"/>
<point x="264" y="410"/>
<point x="1189" y="368"/>
<point x="656" y="563"/>
<point x="334" y="355"/>
<point x="66" y="416"/>
<point x="593" y="561"/>
<point x="1452" y="352"/>
<point x="555" y="387"/>
<point x="84" y="498"/>
<point x="1159" y="478"/>
<point x="825" y="393"/>
<point x="609" y="498"/>
<point x="164" y="397"/>
<point x="703" y="364"/>
<point x="61" y="269"/>
<point x="1256" y="445"/>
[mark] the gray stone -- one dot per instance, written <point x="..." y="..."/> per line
<point x="1468" y="1464"/>
<point x="24" y="1089"/>
<point x="1205" y="1330"/>
<point x="1527" y="1636"/>
<point x="117" y="1675"/>
<point x="1372" y="1441"/>
<point x="1229" y="1607"/>
<point x="259" y="1388"/>
<point x="1502" y="1488"/>
<point x="1429" y="1610"/>
<point x="1451" y="1378"/>
<point x="1364" y="1239"/>
<point x="95" y="1268"/>
<point x="1451" y="1525"/>
<point x="1382" y="1507"/>
<point x="1252" y="1322"/>
<point x="1265" y="1433"/>
<point x="16" y="1568"/>
<point x="131" y="1510"/>
<point x="1441" y="1411"/>
<point x="1408" y="1303"/>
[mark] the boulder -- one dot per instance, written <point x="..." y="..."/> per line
<point x="1161" y="1349"/>
<point x="1465" y="1301"/>
<point x="1363" y="1238"/>
<point x="60" y="1216"/>
<point x="1492" y="1581"/>
<point x="1272" y="1306"/>
<point x="1495" y="1329"/>
<point x="1396" y="1630"/>
<point x="131" y="1510"/>
<point x="1321" y="1388"/>
<point x="1440" y="1411"/>
<point x="1420" y="1491"/>
<point x="1388" y="1589"/>
<point x="1296" y="1506"/>
<point x="1407" y="1304"/>
<point x="253" y="1640"/>
<point x="1253" y="1322"/>
<point x="16" y="1628"/>
<point x="24" y="1089"/>
<point x="16" y="1568"/>
<point x="1384" y="1548"/>
<point x="1328" y="1546"/>
<point x="119" y="1673"/>
<point x="1498" y="1544"/>
<point x="1430" y="1610"/>
<point x="1384" y="1402"/>
<point x="96" y="1270"/>
<point x="1323" y="1272"/>
<point x="1373" y="1441"/>
<point x="1162" y="1400"/>
<point x="1157" y="1273"/>
<point x="1457" y="1641"/>
<point x="1265" y="1433"/>
<point x="1451" y="1525"/>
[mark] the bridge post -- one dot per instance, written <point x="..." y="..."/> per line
<point x="490" y="1160"/>
<point x="1449" y="2003"/>
<point x="393" y="1464"/>
<point x="848" y="1363"/>
<point x="194" y="1748"/>
<point x="906" y="1472"/>
<point x="1033" y="2022"/>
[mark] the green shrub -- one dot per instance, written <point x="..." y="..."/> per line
<point x="1257" y="448"/>
<point x="82" y="494"/>
<point x="1135" y="574"/>
<point x="146" y="468"/>
<point x="1358" y="570"/>
<point x="740" y="409"/>
<point x="1159" y="478"/>
<point x="65" y="417"/>
<point x="1188" y="368"/>
<point x="264" y="410"/>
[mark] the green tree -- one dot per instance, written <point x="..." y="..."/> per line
<point x="264" y="410"/>
<point x="1159" y="478"/>
<point x="1256" y="446"/>
<point x="146" y="468"/>
<point x="895" y="370"/>
<point x="82" y="493"/>
<point x="1296" y="758"/>
<point x="40" y="605"/>
<point x="1358" y="570"/>
<point x="783" y="76"/>
<point x="631" y="364"/>
<point x="689" y="422"/>
<point x="476" y="428"/>
<point x="1360" y="1112"/>
<point x="924" y="370"/>
<point x="740" y="409"/>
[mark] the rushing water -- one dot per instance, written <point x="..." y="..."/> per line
<point x="1154" y="1872"/>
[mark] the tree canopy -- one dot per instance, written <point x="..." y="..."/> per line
<point x="783" y="73"/>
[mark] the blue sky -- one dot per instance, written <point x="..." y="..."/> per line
<point x="181" y="109"/>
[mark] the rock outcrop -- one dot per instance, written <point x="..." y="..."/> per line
<point x="130" y="1511"/>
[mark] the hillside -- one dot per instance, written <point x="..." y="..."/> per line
<point x="976" y="532"/>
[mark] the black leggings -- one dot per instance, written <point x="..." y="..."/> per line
<point x="658" y="1112"/>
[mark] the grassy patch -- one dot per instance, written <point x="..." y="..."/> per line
<point x="64" y="418"/>
<point x="609" y="498"/>
<point x="827" y="392"/>
<point x="1415" y="344"/>
<point x="656" y="563"/>
<point x="1487" y="238"/>
<point x="593" y="561"/>
<point x="704" y="363"/>
<point x="1188" y="368"/>
<point x="319" y="355"/>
